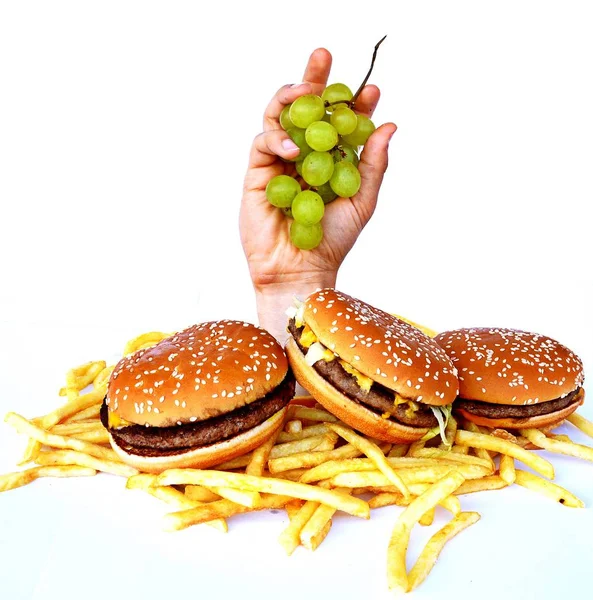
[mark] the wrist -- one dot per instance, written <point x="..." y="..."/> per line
<point x="274" y="298"/>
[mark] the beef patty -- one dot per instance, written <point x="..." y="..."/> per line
<point x="490" y="410"/>
<point x="164" y="441"/>
<point x="379" y="399"/>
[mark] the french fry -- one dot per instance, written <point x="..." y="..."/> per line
<point x="581" y="423"/>
<point x="63" y="412"/>
<point x="560" y="437"/>
<point x="397" y="577"/>
<point x="290" y="538"/>
<point x="332" y="467"/>
<point x="453" y="457"/>
<point x="220" y="509"/>
<point x="433" y="548"/>
<point x="427" y="518"/>
<point x="488" y="442"/>
<point x="305" y="432"/>
<point x="248" y="498"/>
<point x="492" y="482"/>
<point x="318" y="443"/>
<point x="69" y="457"/>
<point x="10" y="481"/>
<point x="90" y="413"/>
<point x="312" y="414"/>
<point x="311" y="459"/>
<point x="79" y="377"/>
<point x="102" y="378"/>
<point x="316" y="540"/>
<point x="200" y="493"/>
<point x="96" y="437"/>
<point x="408" y="476"/>
<point x="480" y="452"/>
<point x="398" y="450"/>
<point x="171" y="496"/>
<point x="460" y="449"/>
<point x="319" y="520"/>
<point x="260" y="456"/>
<point x="292" y="508"/>
<point x="235" y="463"/>
<point x="145" y="340"/>
<point x="541" y="441"/>
<point x="450" y="503"/>
<point x="387" y="499"/>
<point x="72" y="428"/>
<point x="348" y="504"/>
<point x="295" y="426"/>
<point x="507" y="469"/>
<point x="56" y="441"/>
<point x="414" y="447"/>
<point x="372" y="451"/>
<point x="547" y="488"/>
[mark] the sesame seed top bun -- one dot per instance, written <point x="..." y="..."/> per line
<point x="388" y="350"/>
<point x="203" y="371"/>
<point x="508" y="366"/>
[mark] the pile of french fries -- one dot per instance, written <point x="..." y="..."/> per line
<point x="312" y="467"/>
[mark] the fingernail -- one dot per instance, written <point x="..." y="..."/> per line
<point x="288" y="144"/>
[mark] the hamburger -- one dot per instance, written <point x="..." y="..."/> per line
<point x="377" y="373"/>
<point x="205" y="395"/>
<point x="513" y="379"/>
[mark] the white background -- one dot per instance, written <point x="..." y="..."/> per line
<point x="124" y="134"/>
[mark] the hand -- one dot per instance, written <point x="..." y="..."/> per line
<point x="278" y="269"/>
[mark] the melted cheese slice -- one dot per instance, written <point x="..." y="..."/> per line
<point x="308" y="337"/>
<point x="318" y="352"/>
<point x="116" y="422"/>
<point x="363" y="381"/>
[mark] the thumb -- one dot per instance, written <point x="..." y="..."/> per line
<point x="372" y="167"/>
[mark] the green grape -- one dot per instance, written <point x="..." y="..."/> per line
<point x="326" y="193"/>
<point x="344" y="120"/>
<point x="306" y="237"/>
<point x="308" y="208"/>
<point x="345" y="180"/>
<point x="299" y="167"/>
<point x="285" y="121"/>
<point x="299" y="138"/>
<point x="336" y="92"/>
<point x="321" y="136"/>
<point x="281" y="190"/>
<point x="287" y="211"/>
<point x="306" y="109"/>
<point x="364" y="128"/>
<point x="327" y="118"/>
<point x="318" y="168"/>
<point x="345" y="152"/>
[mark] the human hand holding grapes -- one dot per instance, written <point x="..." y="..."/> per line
<point x="279" y="270"/>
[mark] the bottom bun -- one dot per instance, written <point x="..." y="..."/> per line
<point x="206" y="456"/>
<point x="538" y="422"/>
<point x="350" y="412"/>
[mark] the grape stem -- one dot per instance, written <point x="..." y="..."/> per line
<point x="364" y="81"/>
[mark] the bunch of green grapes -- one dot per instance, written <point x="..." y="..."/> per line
<point x="329" y="135"/>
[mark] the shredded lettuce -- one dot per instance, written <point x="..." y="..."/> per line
<point x="442" y="414"/>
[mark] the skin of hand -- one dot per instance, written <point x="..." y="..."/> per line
<point x="279" y="271"/>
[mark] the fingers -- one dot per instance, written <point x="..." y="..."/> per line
<point x="314" y="82"/>
<point x="268" y="145"/>
<point x="318" y="68"/>
<point x="372" y="167"/>
<point x="285" y="95"/>
<point x="367" y="100"/>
